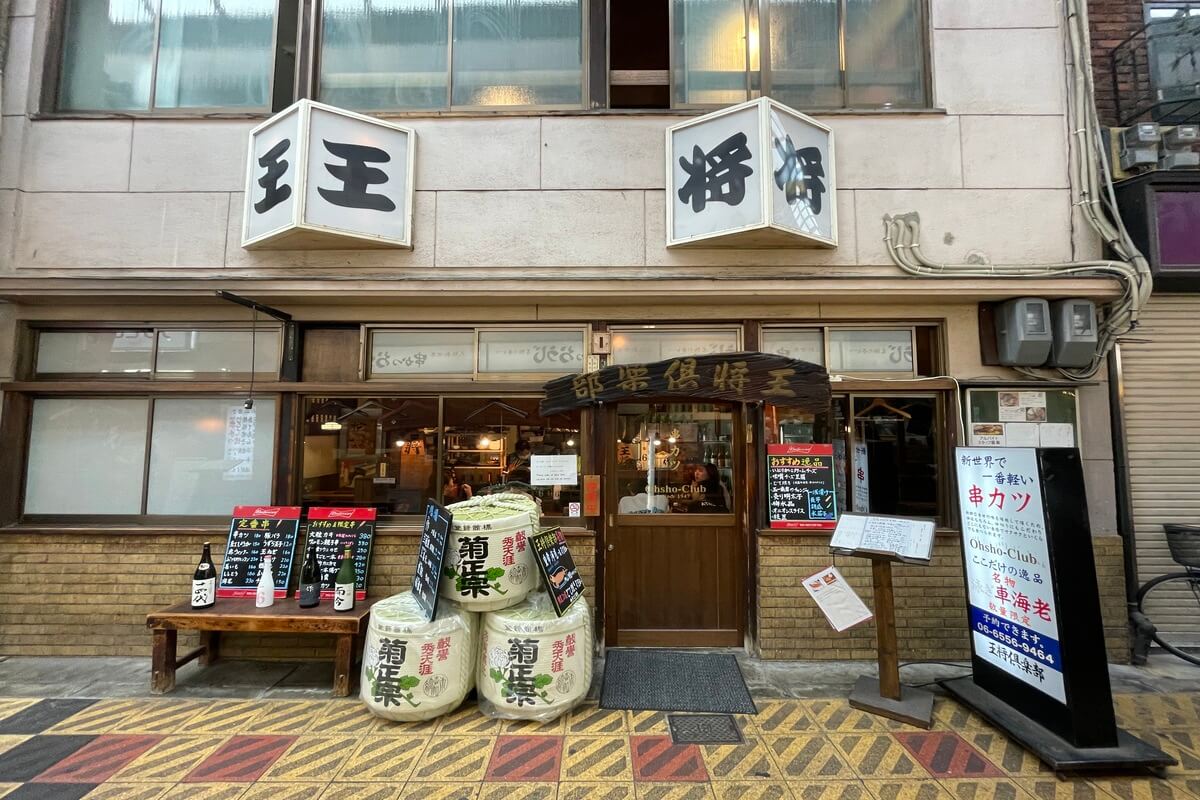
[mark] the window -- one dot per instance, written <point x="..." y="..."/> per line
<point x="490" y="352"/>
<point x="438" y="54"/>
<point x="206" y="455"/>
<point x="121" y="55"/>
<point x="649" y="344"/>
<point x="904" y="350"/>
<point x="805" y="53"/>
<point x="194" y="354"/>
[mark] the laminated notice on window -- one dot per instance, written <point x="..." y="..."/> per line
<point x="837" y="599"/>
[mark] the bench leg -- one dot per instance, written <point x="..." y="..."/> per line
<point x="211" y="642"/>
<point x="162" y="662"/>
<point x="343" y="665"/>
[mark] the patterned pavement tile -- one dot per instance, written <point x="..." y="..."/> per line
<point x="391" y="759"/>
<point x="344" y="718"/>
<point x="950" y="715"/>
<point x="759" y="790"/>
<point x="657" y="758"/>
<point x="520" y="759"/>
<point x="518" y="791"/>
<point x="837" y="715"/>
<point x="945" y="755"/>
<point x="1143" y="789"/>
<point x="312" y="758"/>
<point x="226" y="716"/>
<point x="674" y="791"/>
<point x="361" y="791"/>
<point x="1184" y="745"/>
<point x="169" y="760"/>
<point x="455" y="758"/>
<point x="1189" y="783"/>
<point x="161" y="716"/>
<point x="748" y="761"/>
<point x="467" y="719"/>
<point x="977" y="789"/>
<point x="1005" y="754"/>
<point x="532" y="727"/>
<point x="37" y="754"/>
<point x="783" y="716"/>
<point x="1156" y="711"/>
<point x="608" y="790"/>
<point x="1051" y="788"/>
<point x="597" y="758"/>
<point x="9" y="742"/>
<point x="907" y="790"/>
<point x="594" y="721"/>
<point x="129" y="791"/>
<point x="646" y="722"/>
<point x="288" y="716"/>
<point x="387" y="727"/>
<point x="5" y="788"/>
<point x="41" y="715"/>
<point x="808" y="755"/>
<point x="440" y="791"/>
<point x="206" y="791"/>
<point x="283" y="791"/>
<point x="877" y="755"/>
<point x="829" y="790"/>
<point x="102" y="717"/>
<point x="99" y="759"/>
<point x="11" y="705"/>
<point x="240" y="758"/>
<point x="51" y="791"/>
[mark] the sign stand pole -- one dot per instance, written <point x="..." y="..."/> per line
<point x="884" y="695"/>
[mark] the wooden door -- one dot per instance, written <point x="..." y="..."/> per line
<point x="675" y="569"/>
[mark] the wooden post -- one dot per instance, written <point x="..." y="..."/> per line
<point x="162" y="661"/>
<point x="343" y="664"/>
<point x="885" y="629"/>
<point x="211" y="642"/>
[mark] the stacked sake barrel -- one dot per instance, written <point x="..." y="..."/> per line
<point x="489" y="562"/>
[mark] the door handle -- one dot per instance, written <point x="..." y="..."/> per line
<point x="611" y="546"/>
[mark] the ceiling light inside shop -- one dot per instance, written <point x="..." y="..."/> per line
<point x="571" y="442"/>
<point x="484" y="442"/>
<point x="331" y="426"/>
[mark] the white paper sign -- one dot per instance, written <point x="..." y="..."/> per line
<point x="1057" y="434"/>
<point x="862" y="479"/>
<point x="553" y="470"/>
<point x="910" y="539"/>
<point x="987" y="434"/>
<point x="1014" y="622"/>
<point x="1032" y="399"/>
<point x="837" y="599"/>
<point x="1022" y="434"/>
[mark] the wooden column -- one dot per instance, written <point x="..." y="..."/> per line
<point x="885" y="629"/>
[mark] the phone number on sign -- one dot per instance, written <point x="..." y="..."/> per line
<point x="1015" y="643"/>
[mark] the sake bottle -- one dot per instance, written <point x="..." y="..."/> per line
<point x="204" y="581"/>
<point x="265" y="596"/>
<point x="343" y="584"/>
<point x="310" y="580"/>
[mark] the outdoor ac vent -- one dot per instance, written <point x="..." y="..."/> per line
<point x="1075" y="332"/>
<point x="1023" y="332"/>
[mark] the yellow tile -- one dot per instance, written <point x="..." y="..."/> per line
<point x="1182" y="745"/>
<point x="518" y="791"/>
<point x="344" y="717"/>
<point x="288" y="716"/>
<point x="829" y="790"/>
<point x="811" y="756"/>
<point x="584" y="790"/>
<point x="878" y="755"/>
<point x="1143" y="789"/>
<point x="5" y="788"/>
<point x="283" y="791"/>
<point x="467" y="719"/>
<point x="161" y="716"/>
<point x="596" y="758"/>
<point x="593" y="720"/>
<point x="906" y="790"/>
<point x="440" y="791"/>
<point x="206" y="791"/>
<point x="532" y="727"/>
<point x="384" y="758"/>
<point x="11" y="705"/>
<point x="748" y="761"/>
<point x="985" y="789"/>
<point x="674" y="791"/>
<point x="1005" y="753"/>
<point x="224" y="716"/>
<point x="758" y="790"/>
<point x="783" y="716"/>
<point x="642" y="723"/>
<point x="128" y="791"/>
<point x="837" y="715"/>
<point x="455" y="758"/>
<point x="169" y="760"/>
<point x="361" y="791"/>
<point x="1189" y="783"/>
<point x="9" y="742"/>
<point x="949" y="715"/>
<point x="1157" y="711"/>
<point x="312" y="759"/>
<point x="102" y="717"/>
<point x="1050" y="787"/>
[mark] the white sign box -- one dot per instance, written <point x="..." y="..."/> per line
<point x="321" y="177"/>
<point x="751" y="175"/>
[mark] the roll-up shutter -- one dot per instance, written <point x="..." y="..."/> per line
<point x="1161" y="365"/>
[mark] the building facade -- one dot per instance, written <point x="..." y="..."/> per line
<point x="538" y="248"/>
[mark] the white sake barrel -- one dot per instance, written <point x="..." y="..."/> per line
<point x="489" y="560"/>
<point x="412" y="669"/>
<point x="532" y="664"/>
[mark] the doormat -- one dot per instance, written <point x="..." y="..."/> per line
<point x="704" y="729"/>
<point x="642" y="679"/>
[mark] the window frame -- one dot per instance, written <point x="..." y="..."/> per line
<point x="825" y="329"/>
<point x="613" y="330"/>
<point x="284" y="35"/>
<point x="475" y="376"/>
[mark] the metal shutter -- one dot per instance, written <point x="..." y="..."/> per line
<point x="1161" y="367"/>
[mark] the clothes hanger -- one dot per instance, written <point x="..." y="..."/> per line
<point x="879" y="402"/>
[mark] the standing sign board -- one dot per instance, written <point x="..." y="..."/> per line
<point x="431" y="552"/>
<point x="332" y="530"/>
<point x="800" y="490"/>
<point x="1037" y="639"/>
<point x="256" y="531"/>
<point x="753" y="174"/>
<point x="321" y="177"/>
<point x="558" y="568"/>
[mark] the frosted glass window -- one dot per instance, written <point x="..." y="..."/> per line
<point x="115" y="353"/>
<point x="388" y="54"/>
<point x="525" y="351"/>
<point x="871" y="351"/>
<point x="208" y="455"/>
<point x="210" y="54"/>
<point x="885" y="53"/>
<point x="416" y="352"/>
<point x="518" y="53"/>
<point x="648" y="346"/>
<point x="803" y="345"/>
<point x="709" y="52"/>
<point x="216" y="354"/>
<point x="805" y="53"/>
<point x="86" y="456"/>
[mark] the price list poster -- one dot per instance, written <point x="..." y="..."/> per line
<point x="256" y="531"/>
<point x="800" y="488"/>
<point x="332" y="530"/>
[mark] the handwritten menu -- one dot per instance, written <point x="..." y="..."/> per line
<point x="332" y="530"/>
<point x="800" y="487"/>
<point x="256" y="531"/>
<point x="554" y="559"/>
<point x="428" y="574"/>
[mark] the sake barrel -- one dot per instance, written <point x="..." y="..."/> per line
<point x="532" y="664"/>
<point x="489" y="561"/>
<point x="415" y="670"/>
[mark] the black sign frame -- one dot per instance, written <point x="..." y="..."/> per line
<point x="328" y="521"/>
<point x="431" y="553"/>
<point x="558" y="569"/>
<point x="823" y="458"/>
<point x="251" y="523"/>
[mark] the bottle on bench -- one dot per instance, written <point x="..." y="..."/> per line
<point x="343" y="584"/>
<point x="204" y="581"/>
<point x="265" y="596"/>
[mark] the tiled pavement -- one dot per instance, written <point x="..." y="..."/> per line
<point x="335" y="750"/>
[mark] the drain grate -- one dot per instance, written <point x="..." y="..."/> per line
<point x="704" y="729"/>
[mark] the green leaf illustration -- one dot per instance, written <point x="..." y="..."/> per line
<point x="542" y="681"/>
<point x="449" y="571"/>
<point x="497" y="675"/>
<point x="495" y="573"/>
<point x="409" y="682"/>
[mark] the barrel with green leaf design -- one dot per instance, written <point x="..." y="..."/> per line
<point x="489" y="561"/>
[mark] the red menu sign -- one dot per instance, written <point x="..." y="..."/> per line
<point x="332" y="530"/>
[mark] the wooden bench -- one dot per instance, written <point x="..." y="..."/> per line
<point x="242" y="616"/>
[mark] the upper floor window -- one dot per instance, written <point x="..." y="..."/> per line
<point x="144" y="55"/>
<point x="170" y="353"/>
<point x="441" y="54"/>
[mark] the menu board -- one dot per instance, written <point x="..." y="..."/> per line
<point x="256" y="531"/>
<point x="332" y="530"/>
<point x="558" y="568"/>
<point x="800" y="486"/>
<point x="430" y="553"/>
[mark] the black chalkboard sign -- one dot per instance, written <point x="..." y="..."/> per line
<point x="332" y="530"/>
<point x="256" y="531"/>
<point x="558" y="568"/>
<point x="428" y="574"/>
<point x="800" y="489"/>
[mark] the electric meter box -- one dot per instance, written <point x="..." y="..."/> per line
<point x="1023" y="332"/>
<point x="1073" y="323"/>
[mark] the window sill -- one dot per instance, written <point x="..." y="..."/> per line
<point x="216" y="528"/>
<point x="765" y="532"/>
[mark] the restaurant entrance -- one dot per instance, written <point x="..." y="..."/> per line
<point x="675" y="561"/>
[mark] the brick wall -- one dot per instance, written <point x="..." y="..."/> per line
<point x="930" y="602"/>
<point x="80" y="594"/>
<point x="1112" y="21"/>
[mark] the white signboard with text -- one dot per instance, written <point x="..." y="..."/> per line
<point x="1014" y="622"/>
<point x="553" y="470"/>
<point x="321" y="177"/>
<point x="752" y="174"/>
